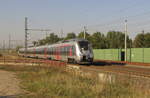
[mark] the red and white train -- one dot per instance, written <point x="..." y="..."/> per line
<point x="74" y="50"/>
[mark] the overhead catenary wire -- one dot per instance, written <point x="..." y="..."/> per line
<point x="112" y="21"/>
<point x="118" y="20"/>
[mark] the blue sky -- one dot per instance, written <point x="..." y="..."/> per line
<point x="71" y="16"/>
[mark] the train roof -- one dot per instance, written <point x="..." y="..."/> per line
<point x="63" y="41"/>
<point x="72" y="40"/>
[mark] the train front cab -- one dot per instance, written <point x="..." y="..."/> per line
<point x="84" y="52"/>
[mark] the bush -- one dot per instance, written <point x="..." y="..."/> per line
<point x="43" y="82"/>
<point x="56" y="82"/>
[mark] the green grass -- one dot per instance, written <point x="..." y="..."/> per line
<point x="54" y="82"/>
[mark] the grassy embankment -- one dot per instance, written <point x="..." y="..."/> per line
<point x="56" y="82"/>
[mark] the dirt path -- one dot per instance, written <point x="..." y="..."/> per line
<point x="9" y="84"/>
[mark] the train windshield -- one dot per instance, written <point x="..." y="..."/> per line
<point x="84" y="45"/>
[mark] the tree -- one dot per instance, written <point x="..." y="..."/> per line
<point x="35" y="43"/>
<point x="87" y="36"/>
<point x="147" y="40"/>
<point x="52" y="38"/>
<point x="99" y="41"/>
<point x="70" y="36"/>
<point x="42" y="42"/>
<point x="142" y="40"/>
<point x="116" y="39"/>
<point x="18" y="47"/>
<point x="139" y="41"/>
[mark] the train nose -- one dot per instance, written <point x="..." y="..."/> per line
<point x="87" y="58"/>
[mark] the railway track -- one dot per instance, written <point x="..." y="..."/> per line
<point x="117" y="69"/>
<point x="123" y="62"/>
<point x="29" y="61"/>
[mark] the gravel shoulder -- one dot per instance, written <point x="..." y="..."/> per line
<point x="9" y="84"/>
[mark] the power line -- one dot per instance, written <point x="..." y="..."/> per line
<point x="117" y="20"/>
<point x="39" y="29"/>
<point x="29" y="29"/>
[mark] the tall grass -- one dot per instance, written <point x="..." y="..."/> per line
<point x="54" y="82"/>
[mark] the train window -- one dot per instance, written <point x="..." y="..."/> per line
<point x="42" y="51"/>
<point x="52" y="51"/>
<point x="63" y="50"/>
<point x="48" y="50"/>
<point x="55" y="51"/>
<point x="59" y="48"/>
<point x="73" y="50"/>
<point x="83" y="45"/>
<point x="36" y="51"/>
<point x="66" y="50"/>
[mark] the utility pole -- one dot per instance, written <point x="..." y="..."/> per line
<point x="3" y="45"/>
<point x="26" y="34"/>
<point x="61" y="33"/>
<point x="9" y="43"/>
<point x="143" y="44"/>
<point x="85" y="31"/>
<point x="125" y="40"/>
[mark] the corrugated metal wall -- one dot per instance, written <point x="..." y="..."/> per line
<point x="133" y="54"/>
